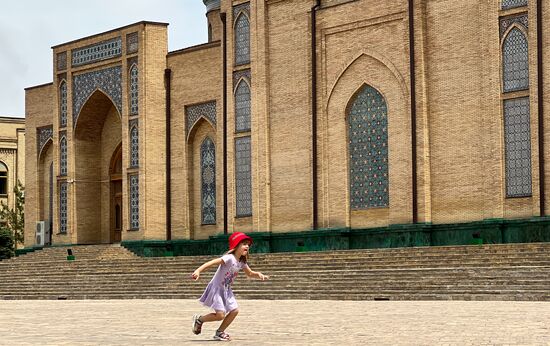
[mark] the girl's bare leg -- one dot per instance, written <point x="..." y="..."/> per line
<point x="217" y="316"/>
<point x="228" y="319"/>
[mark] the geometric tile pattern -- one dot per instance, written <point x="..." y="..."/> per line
<point x="208" y="182"/>
<point x="97" y="52"/>
<point x="134" y="143"/>
<point x="517" y="140"/>
<point x="63" y="154"/>
<point x="194" y="112"/>
<point x="368" y="150"/>
<point x="237" y="75"/>
<point x="515" y="61"/>
<point x="132" y="43"/>
<point x="506" y="4"/>
<point x="108" y="80"/>
<point x="61" y="61"/>
<point x="242" y="40"/>
<point x="43" y="135"/>
<point x="134" y="90"/>
<point x="63" y="207"/>
<point x="134" y="201"/>
<point x="244" y="7"/>
<point x="63" y="104"/>
<point x="243" y="176"/>
<point x="242" y="107"/>
<point x="506" y="22"/>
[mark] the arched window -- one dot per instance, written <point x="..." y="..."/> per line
<point x="134" y="147"/>
<point x="63" y="156"/>
<point x="63" y="104"/>
<point x="242" y="40"/>
<point x="63" y="207"/>
<point x="208" y="182"/>
<point x="134" y="201"/>
<point x="515" y="61"/>
<point x="3" y="180"/>
<point x="243" y="176"/>
<point x="368" y="150"/>
<point x="134" y="90"/>
<point x="242" y="107"/>
<point x="506" y="4"/>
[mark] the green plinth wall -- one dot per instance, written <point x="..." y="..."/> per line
<point x="492" y="231"/>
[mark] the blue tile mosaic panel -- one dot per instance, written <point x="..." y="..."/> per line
<point x="97" y="52"/>
<point x="63" y="155"/>
<point x="134" y="201"/>
<point x="506" y="22"/>
<point x="517" y="140"/>
<point x="506" y="4"/>
<point x="132" y="43"/>
<point x="63" y="104"/>
<point x="61" y="59"/>
<point x="368" y="150"/>
<point x="108" y="80"/>
<point x="242" y="107"/>
<point x="237" y="75"/>
<point x="194" y="112"/>
<point x="243" y="176"/>
<point x="242" y="40"/>
<point x="515" y="61"/>
<point x="134" y="88"/>
<point x="208" y="182"/>
<point x="63" y="207"/>
<point x="43" y="135"/>
<point x="134" y="144"/>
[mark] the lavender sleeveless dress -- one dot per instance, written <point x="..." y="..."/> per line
<point x="218" y="294"/>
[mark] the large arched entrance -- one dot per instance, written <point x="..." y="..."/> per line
<point x="115" y="176"/>
<point x="97" y="136"/>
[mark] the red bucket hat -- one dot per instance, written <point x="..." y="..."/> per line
<point x="236" y="238"/>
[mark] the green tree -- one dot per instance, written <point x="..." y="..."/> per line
<point x="6" y="244"/>
<point x="13" y="220"/>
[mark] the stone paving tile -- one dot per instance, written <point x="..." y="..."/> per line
<point x="287" y="322"/>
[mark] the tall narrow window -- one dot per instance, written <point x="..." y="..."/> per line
<point x="242" y="107"/>
<point x="515" y="61"/>
<point x="3" y="180"/>
<point x="208" y="182"/>
<point x="506" y="4"/>
<point x="517" y="135"/>
<point x="63" y="156"/>
<point x="368" y="150"/>
<point x="242" y="40"/>
<point x="243" y="176"/>
<point x="134" y="147"/>
<point x="63" y="104"/>
<point x="134" y="201"/>
<point x="134" y="90"/>
<point x="63" y="207"/>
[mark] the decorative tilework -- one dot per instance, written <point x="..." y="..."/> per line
<point x="208" y="182"/>
<point x="506" y="4"/>
<point x="134" y="143"/>
<point x="515" y="62"/>
<point x="243" y="176"/>
<point x="132" y="43"/>
<point x="134" y="90"/>
<point x="63" y="186"/>
<point x="237" y="75"/>
<point x="244" y="7"/>
<point x="63" y="104"/>
<point x="368" y="150"/>
<point x="242" y="107"/>
<point x="43" y="135"/>
<point x="108" y="80"/>
<point x="517" y="136"/>
<point x="506" y="22"/>
<point x="134" y="201"/>
<point x="242" y="40"/>
<point x="61" y="59"/>
<point x="63" y="154"/>
<point x="97" y="52"/>
<point x="194" y="112"/>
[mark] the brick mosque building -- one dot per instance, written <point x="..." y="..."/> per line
<point x="311" y="124"/>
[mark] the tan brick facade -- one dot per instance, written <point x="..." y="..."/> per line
<point x="460" y="138"/>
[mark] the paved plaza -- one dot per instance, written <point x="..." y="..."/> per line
<point x="297" y="322"/>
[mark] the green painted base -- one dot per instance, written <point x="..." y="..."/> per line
<point x="493" y="231"/>
<point x="70" y="258"/>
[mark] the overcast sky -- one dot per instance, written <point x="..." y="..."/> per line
<point x="29" y="28"/>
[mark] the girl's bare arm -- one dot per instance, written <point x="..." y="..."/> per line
<point x="197" y="273"/>
<point x="252" y="274"/>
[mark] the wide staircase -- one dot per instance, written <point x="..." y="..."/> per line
<point x="488" y="272"/>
